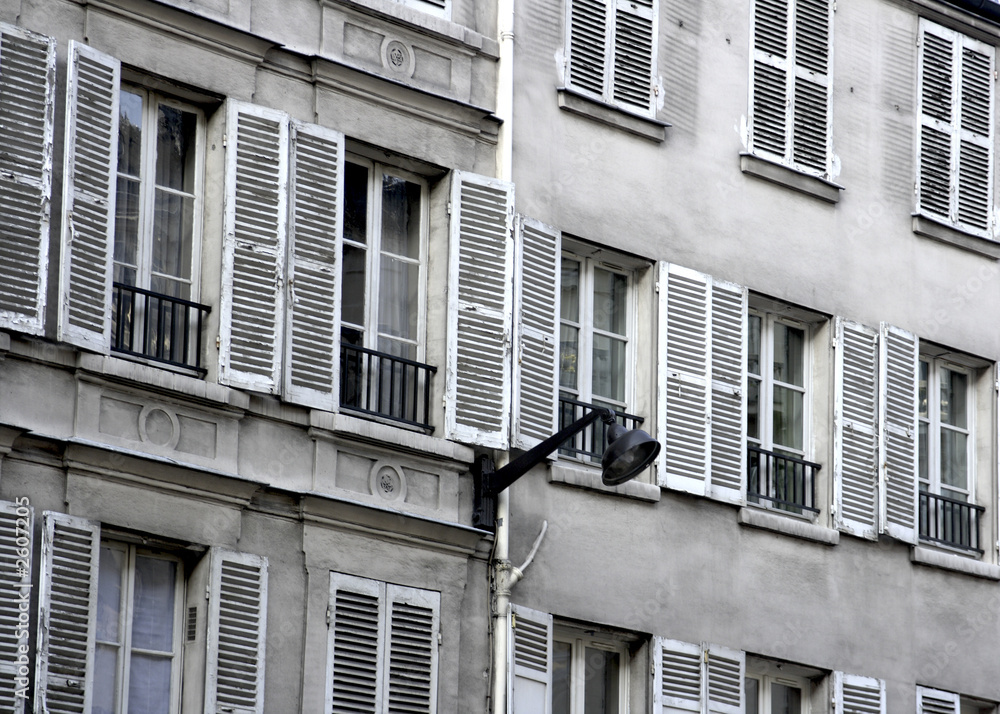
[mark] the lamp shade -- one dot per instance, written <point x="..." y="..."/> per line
<point x="628" y="453"/>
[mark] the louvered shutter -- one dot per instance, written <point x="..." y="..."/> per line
<point x="15" y="582"/>
<point x="678" y="683"/>
<point x="934" y="701"/>
<point x="27" y="86"/>
<point x="89" y="188"/>
<point x="589" y="45"/>
<point x="684" y="378"/>
<point x="536" y="307"/>
<point x="355" y="657"/>
<point x="480" y="304"/>
<point x="531" y="645"/>
<point x="727" y="481"/>
<point x="67" y="614"/>
<point x="725" y="669"/>
<point x="811" y="110"/>
<point x="253" y="262"/>
<point x="770" y="93"/>
<point x="975" y="135"/>
<point x="237" y="628"/>
<point x="414" y="621"/>
<point x="854" y="694"/>
<point x="634" y="54"/>
<point x="315" y="229"/>
<point x="898" y="364"/>
<point x="855" y="448"/>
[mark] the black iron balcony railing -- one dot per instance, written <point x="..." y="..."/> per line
<point x="158" y="327"/>
<point x="379" y="384"/>
<point x="785" y="482"/>
<point x="589" y="444"/>
<point x="950" y="522"/>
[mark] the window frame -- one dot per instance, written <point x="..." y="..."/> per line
<point x="764" y="682"/>
<point x="934" y="426"/>
<point x="579" y="641"/>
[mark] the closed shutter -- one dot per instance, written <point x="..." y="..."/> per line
<point x="729" y="357"/>
<point x="355" y="659"/>
<point x="89" y="187"/>
<point x="854" y="694"/>
<point x="975" y="131"/>
<point x="934" y="701"/>
<point x="811" y="113"/>
<point x="315" y="229"/>
<point x="27" y="86"/>
<point x="414" y="620"/>
<point x="67" y="614"/>
<point x="531" y="643"/>
<point x="634" y="43"/>
<point x="684" y="379"/>
<point x="15" y="582"/>
<point x="480" y="305"/>
<point x="536" y="371"/>
<point x="855" y="455"/>
<point x="770" y="94"/>
<point x="589" y="45"/>
<point x="898" y="363"/>
<point x="253" y="263"/>
<point x="678" y="682"/>
<point x="725" y="669"/>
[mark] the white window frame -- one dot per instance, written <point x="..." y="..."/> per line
<point x="442" y="9"/>
<point x="934" y="425"/>
<point x="764" y="682"/>
<point x="579" y="643"/>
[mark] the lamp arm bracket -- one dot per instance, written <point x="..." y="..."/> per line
<point x="534" y="548"/>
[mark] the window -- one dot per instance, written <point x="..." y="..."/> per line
<point x="935" y="701"/>
<point x="766" y="694"/>
<point x="589" y="674"/>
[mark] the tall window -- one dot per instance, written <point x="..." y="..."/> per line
<point x="589" y="675"/>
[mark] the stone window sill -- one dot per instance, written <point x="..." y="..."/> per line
<point x="790" y="178"/>
<point x="323" y="423"/>
<point x="935" y="230"/>
<point x="577" y="103"/>
<point x="590" y="478"/>
<point x="950" y="561"/>
<point x="798" y="528"/>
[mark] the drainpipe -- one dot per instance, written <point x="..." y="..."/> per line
<point x="505" y="89"/>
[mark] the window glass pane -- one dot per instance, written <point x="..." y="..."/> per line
<point x="751" y="690"/>
<point x="562" y="654"/>
<point x="785" y="700"/>
<point x="397" y="299"/>
<point x="609" y="301"/>
<point x="787" y="417"/>
<point x="109" y="595"/>
<point x="600" y="681"/>
<point x="923" y="455"/>
<point x="153" y="604"/>
<point x="569" y="354"/>
<point x="789" y="355"/>
<point x="753" y="408"/>
<point x="400" y="217"/>
<point x="608" y="368"/>
<point x="127" y="225"/>
<point x="352" y="304"/>
<point x="954" y="393"/>
<point x="149" y="685"/>
<point x="569" y="299"/>
<point x="173" y="226"/>
<point x="356" y="203"/>
<point x="105" y="677"/>
<point x="129" y="133"/>
<point x="753" y="348"/>
<point x="922" y="407"/>
<point x="175" y="148"/>
<point x="954" y="460"/>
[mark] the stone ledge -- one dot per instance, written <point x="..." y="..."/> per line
<point x="397" y="437"/>
<point x="790" y="178"/>
<point x="590" y="478"/>
<point x="757" y="518"/>
<point x="611" y="115"/>
<point x="957" y="563"/>
<point x="935" y="230"/>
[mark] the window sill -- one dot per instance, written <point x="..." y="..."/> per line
<point x="789" y="525"/>
<point x="590" y="478"/>
<point x="397" y="436"/>
<point x="611" y="115"/>
<point x="950" y="561"/>
<point x="935" y="230"/>
<point x="790" y="178"/>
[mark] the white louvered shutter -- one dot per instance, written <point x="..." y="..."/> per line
<point x="678" y="681"/>
<point x="812" y="89"/>
<point x="634" y="54"/>
<point x="89" y="188"/>
<point x="934" y="701"/>
<point x="413" y="623"/>
<point x="531" y="674"/>
<point x="67" y="614"/>
<point x="855" y="455"/>
<point x="315" y="230"/>
<point x="15" y="581"/>
<point x="589" y="46"/>
<point x="536" y="329"/>
<point x="725" y="669"/>
<point x="27" y="87"/>
<point x="355" y="655"/>
<point x="975" y="131"/>
<point x="684" y="378"/>
<point x="727" y="481"/>
<point x="480" y="307"/>
<point x="253" y="262"/>
<point x="770" y="93"/>
<point x="854" y="694"/>
<point x="237" y="632"/>
<point x="898" y="364"/>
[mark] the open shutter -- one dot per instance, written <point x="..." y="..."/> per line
<point x="855" y="436"/>
<point x="355" y="657"/>
<point x="67" y="614"/>
<point x="15" y="582"/>
<point x="678" y="682"/>
<point x="811" y="110"/>
<point x="27" y="86"/>
<point x="480" y="305"/>
<point x="898" y="358"/>
<point x="770" y="94"/>
<point x="253" y="262"/>
<point x="934" y="701"/>
<point x="89" y="187"/>
<point x="315" y="229"/>
<point x="684" y="378"/>
<point x="237" y="626"/>
<point x="729" y="357"/>
<point x="975" y="135"/>
<point x="536" y="351"/>
<point x="634" y="53"/>
<point x="724" y="669"/>
<point x="589" y="45"/>
<point x="414" y="621"/>
<point x="854" y="694"/>
<point x="531" y="641"/>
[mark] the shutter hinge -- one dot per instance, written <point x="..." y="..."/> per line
<point x="657" y="286"/>
<point x="223" y="141"/>
<point x="833" y="343"/>
<point x="440" y="640"/>
<point x="328" y="617"/>
<point x="513" y="620"/>
<point x="448" y="207"/>
<point x="994" y="75"/>
<point x="835" y="5"/>
<point x="218" y="342"/>
<point x="704" y="655"/>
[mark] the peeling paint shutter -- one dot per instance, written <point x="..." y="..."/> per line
<point x="975" y="149"/>
<point x="854" y="694"/>
<point x="253" y="263"/>
<point x="315" y="229"/>
<point x="27" y="86"/>
<point x="727" y="481"/>
<point x="536" y="369"/>
<point x="937" y="107"/>
<point x="684" y="379"/>
<point x="414" y="621"/>
<point x="480" y="297"/>
<point x="724" y="669"/>
<point x="237" y="625"/>
<point x="589" y="45"/>
<point x="934" y="701"/>
<point x="355" y="659"/>
<point x="67" y="614"/>
<point x="898" y="363"/>
<point x="810" y="116"/>
<point x="635" y="43"/>
<point x="15" y="580"/>
<point x="531" y="646"/>
<point x="678" y="683"/>
<point x="770" y="94"/>
<point x="89" y="182"/>
<point x="855" y="459"/>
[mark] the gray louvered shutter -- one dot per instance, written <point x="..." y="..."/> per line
<point x="355" y="656"/>
<point x="724" y="672"/>
<point x="678" y="676"/>
<point x="413" y="623"/>
<point x="536" y="329"/>
<point x="589" y="46"/>
<point x="531" y="657"/>
<point x="770" y="95"/>
<point x="727" y="481"/>
<point x="15" y="582"/>
<point x="855" y="438"/>
<point x="936" y="69"/>
<point x="27" y="87"/>
<point x="315" y="229"/>
<point x="934" y="701"/>
<point x="811" y="110"/>
<point x="89" y="188"/>
<point x="480" y="306"/>
<point x="854" y="694"/>
<point x="975" y="135"/>
<point x="253" y="262"/>
<point x="684" y="378"/>
<point x="634" y="54"/>
<point x="67" y="614"/>
<point x="898" y="364"/>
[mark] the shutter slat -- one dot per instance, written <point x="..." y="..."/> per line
<point x="725" y="671"/>
<point x="356" y="629"/>
<point x="898" y="364"/>
<point x="414" y="622"/>
<point x="728" y="448"/>
<point x="677" y="676"/>
<point x="857" y="694"/>
<point x="934" y="701"/>
<point x="588" y="46"/>
<point x="633" y="58"/>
